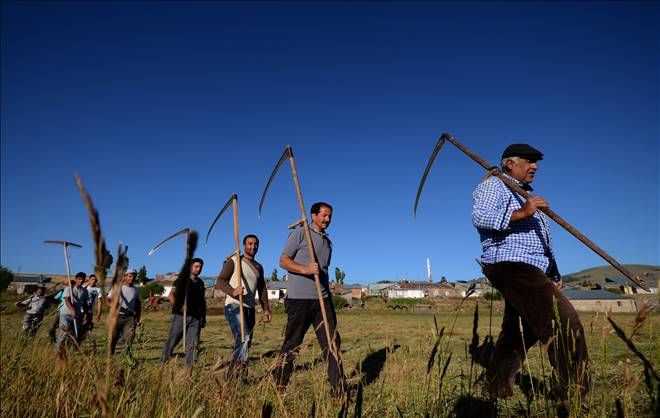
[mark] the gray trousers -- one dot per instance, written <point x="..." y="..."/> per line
<point x="67" y="330"/>
<point x="176" y="334"/>
<point x="124" y="328"/>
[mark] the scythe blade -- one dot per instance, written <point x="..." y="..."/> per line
<point x="287" y="154"/>
<point x="160" y="244"/>
<point x="231" y="199"/>
<point x="436" y="150"/>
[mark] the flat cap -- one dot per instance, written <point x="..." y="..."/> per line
<point x="525" y="151"/>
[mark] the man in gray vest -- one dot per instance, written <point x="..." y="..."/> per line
<point x="251" y="283"/>
<point x="302" y="304"/>
<point x="36" y="306"/>
<point x="130" y="311"/>
<point x="72" y="313"/>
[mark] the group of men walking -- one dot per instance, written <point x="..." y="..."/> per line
<point x="518" y="260"/>
<point x="78" y="307"/>
<point x="301" y="304"/>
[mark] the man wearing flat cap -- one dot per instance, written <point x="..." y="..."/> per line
<point x="519" y="262"/>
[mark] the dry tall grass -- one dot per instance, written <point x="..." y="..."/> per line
<point x="398" y="364"/>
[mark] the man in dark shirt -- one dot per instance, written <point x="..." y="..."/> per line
<point x="187" y="295"/>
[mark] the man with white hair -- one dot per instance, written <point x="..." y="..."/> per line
<point x="520" y="263"/>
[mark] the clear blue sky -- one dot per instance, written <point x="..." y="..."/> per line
<point x="167" y="108"/>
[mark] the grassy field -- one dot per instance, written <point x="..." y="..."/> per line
<point x="389" y="358"/>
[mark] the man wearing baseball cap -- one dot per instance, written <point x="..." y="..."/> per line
<point x="520" y="263"/>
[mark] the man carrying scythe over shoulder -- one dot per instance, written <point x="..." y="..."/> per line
<point x="249" y="285"/>
<point x="519" y="261"/>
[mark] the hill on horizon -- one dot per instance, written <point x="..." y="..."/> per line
<point x="649" y="273"/>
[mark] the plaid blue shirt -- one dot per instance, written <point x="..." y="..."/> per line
<point x="527" y="240"/>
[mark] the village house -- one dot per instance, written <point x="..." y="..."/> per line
<point x="624" y="285"/>
<point x="27" y="283"/>
<point x="481" y="287"/>
<point x="599" y="301"/>
<point x="408" y="290"/>
<point x="379" y="289"/>
<point x="445" y="290"/>
<point x="276" y="291"/>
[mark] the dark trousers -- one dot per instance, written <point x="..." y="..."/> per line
<point x="301" y="313"/>
<point x="193" y="326"/>
<point x="124" y="328"/>
<point x="533" y="301"/>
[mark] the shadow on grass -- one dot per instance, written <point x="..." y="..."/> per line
<point x="373" y="364"/>
<point x="531" y="386"/>
<point x="268" y="354"/>
<point x="471" y="406"/>
<point x="308" y="365"/>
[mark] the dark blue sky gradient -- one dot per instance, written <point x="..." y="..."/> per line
<point x="167" y="108"/>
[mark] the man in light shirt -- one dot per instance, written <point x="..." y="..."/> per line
<point x="130" y="311"/>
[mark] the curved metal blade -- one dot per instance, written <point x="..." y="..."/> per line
<point x="436" y="150"/>
<point x="67" y="243"/>
<point x="231" y="199"/>
<point x="160" y="244"/>
<point x="287" y="154"/>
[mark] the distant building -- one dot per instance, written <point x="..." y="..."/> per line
<point x="480" y="287"/>
<point x="446" y="290"/>
<point x="27" y="283"/>
<point x="408" y="290"/>
<point x="357" y="291"/>
<point x="167" y="281"/>
<point x="599" y="301"/>
<point x="379" y="289"/>
<point x="276" y="290"/>
<point x="624" y="285"/>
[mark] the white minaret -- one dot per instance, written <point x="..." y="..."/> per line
<point x="428" y="270"/>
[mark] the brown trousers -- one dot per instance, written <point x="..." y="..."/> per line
<point x="532" y="299"/>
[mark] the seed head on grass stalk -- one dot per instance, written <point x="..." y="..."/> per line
<point x="651" y="377"/>
<point x="101" y="258"/>
<point x="101" y="253"/>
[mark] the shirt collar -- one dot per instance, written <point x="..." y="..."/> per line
<point x="313" y="228"/>
<point x="525" y="186"/>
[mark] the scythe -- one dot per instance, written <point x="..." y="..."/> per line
<point x="66" y="245"/>
<point x="288" y="154"/>
<point x="191" y="245"/>
<point x="233" y="200"/>
<point x="514" y="187"/>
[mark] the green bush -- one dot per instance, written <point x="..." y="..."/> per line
<point x="151" y="288"/>
<point x="405" y="301"/>
<point x="6" y="277"/>
<point x="339" y="302"/>
<point x="494" y="295"/>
